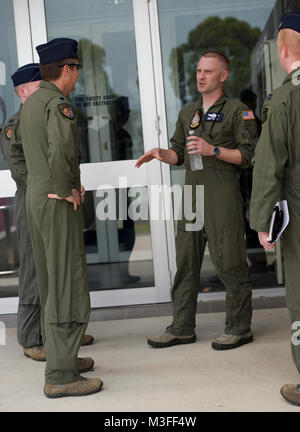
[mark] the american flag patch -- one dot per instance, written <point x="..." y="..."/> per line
<point x="248" y="115"/>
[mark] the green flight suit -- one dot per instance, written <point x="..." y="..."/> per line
<point x="29" y="311"/>
<point x="49" y="138"/>
<point x="276" y="176"/>
<point x="223" y="228"/>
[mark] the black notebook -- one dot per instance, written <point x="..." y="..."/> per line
<point x="279" y="221"/>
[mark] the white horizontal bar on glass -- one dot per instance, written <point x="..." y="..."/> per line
<point x="7" y="185"/>
<point x="95" y="176"/>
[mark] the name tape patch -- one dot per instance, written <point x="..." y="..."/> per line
<point x="212" y="116"/>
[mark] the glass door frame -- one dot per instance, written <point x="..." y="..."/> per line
<point x="30" y="22"/>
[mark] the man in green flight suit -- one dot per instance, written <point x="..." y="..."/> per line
<point x="26" y="80"/>
<point x="276" y="175"/>
<point x="225" y="136"/>
<point x="48" y="135"/>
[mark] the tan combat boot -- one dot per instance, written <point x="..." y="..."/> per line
<point x="81" y="387"/>
<point x="35" y="353"/>
<point x="38" y="353"/>
<point x="291" y="393"/>
<point x="87" y="340"/>
<point x="167" y="339"/>
<point x="227" y="341"/>
<point x="85" y="364"/>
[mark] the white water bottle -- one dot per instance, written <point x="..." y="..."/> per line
<point x="195" y="159"/>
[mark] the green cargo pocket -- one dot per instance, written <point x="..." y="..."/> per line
<point x="230" y="243"/>
<point x="80" y="286"/>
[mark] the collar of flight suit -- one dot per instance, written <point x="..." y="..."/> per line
<point x="290" y="75"/>
<point x="219" y="101"/>
<point x="49" y="85"/>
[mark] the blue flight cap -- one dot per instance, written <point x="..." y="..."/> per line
<point x="291" y="21"/>
<point x="26" y="73"/>
<point x="57" y="49"/>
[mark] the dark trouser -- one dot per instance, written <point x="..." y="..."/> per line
<point x="29" y="311"/>
<point x="224" y="232"/>
<point x="190" y="252"/>
<point x="57" y="239"/>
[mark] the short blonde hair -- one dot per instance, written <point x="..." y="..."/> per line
<point x="291" y="39"/>
<point x="221" y="57"/>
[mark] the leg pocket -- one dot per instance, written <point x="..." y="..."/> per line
<point x="80" y="286"/>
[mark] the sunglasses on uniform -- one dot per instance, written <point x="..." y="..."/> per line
<point x="70" y="64"/>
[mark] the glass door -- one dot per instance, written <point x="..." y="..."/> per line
<point x="9" y="104"/>
<point x="239" y="29"/>
<point x="116" y="106"/>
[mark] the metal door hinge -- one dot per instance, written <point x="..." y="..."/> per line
<point x="157" y="125"/>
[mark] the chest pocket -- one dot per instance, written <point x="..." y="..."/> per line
<point x="223" y="133"/>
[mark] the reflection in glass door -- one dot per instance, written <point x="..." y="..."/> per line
<point x="9" y="104"/>
<point x="188" y="29"/>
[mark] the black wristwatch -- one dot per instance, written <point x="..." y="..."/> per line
<point x="216" y="151"/>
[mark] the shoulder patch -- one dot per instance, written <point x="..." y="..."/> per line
<point x="66" y="110"/>
<point x="248" y="115"/>
<point x="8" y="132"/>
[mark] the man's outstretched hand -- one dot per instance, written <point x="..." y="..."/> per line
<point x="167" y="156"/>
<point x="147" y="157"/>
